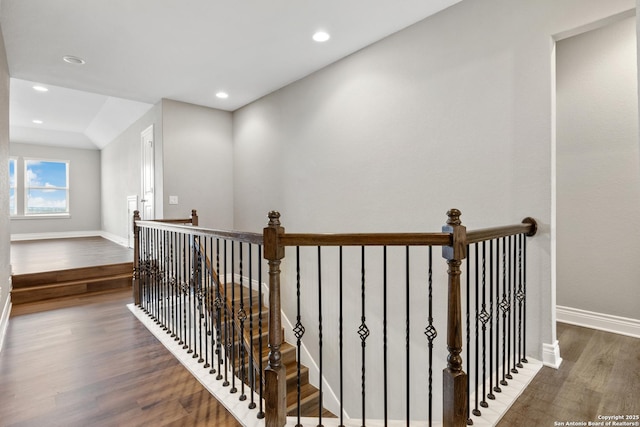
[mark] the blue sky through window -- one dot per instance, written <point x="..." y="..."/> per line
<point x="46" y="187"/>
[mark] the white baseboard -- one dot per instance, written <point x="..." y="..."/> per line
<point x="122" y="241"/>
<point x="551" y="355"/>
<point x="600" y="321"/>
<point x="4" y="320"/>
<point x="54" y="235"/>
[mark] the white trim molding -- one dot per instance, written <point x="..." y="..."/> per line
<point x="600" y="321"/>
<point x="551" y="355"/>
<point x="4" y="319"/>
<point x="54" y="235"/>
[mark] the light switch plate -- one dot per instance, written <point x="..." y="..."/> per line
<point x="173" y="200"/>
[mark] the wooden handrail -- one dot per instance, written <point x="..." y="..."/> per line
<point x="367" y="239"/>
<point x="529" y="226"/>
<point x="239" y="236"/>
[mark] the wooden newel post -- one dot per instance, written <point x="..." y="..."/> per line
<point x="275" y="375"/>
<point x="454" y="379"/>
<point x="194" y="218"/>
<point x="136" y="258"/>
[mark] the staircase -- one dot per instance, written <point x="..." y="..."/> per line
<point x="309" y="394"/>
<point x="53" y="284"/>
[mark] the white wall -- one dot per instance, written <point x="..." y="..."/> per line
<point x="84" y="190"/>
<point x="121" y="173"/>
<point x="455" y="111"/>
<point x="598" y="170"/>
<point x="198" y="163"/>
<point x="5" y="259"/>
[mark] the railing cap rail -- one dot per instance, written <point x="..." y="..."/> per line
<point x="240" y="236"/>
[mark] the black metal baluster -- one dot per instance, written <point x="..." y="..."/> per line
<point x="497" y="388"/>
<point x="476" y="411"/>
<point x="340" y="330"/>
<point x="512" y="298"/>
<point x="261" y="382"/>
<point x="252" y="373"/>
<point x="174" y="286"/>
<point x="384" y="333"/>
<point x="407" y="334"/>
<point x="484" y="318"/>
<point x="363" y="332"/>
<point x="321" y="400"/>
<point x="185" y="289"/>
<point x="227" y="327"/>
<point x="520" y="297"/>
<point x="524" y="300"/>
<point x="298" y="330"/>
<point x="208" y="303"/>
<point x="490" y="395"/>
<point x="218" y="304"/>
<point x="504" y="306"/>
<point x="431" y="334"/>
<point x="242" y="317"/>
<point x="198" y="289"/>
<point x="232" y="322"/>
<point x="468" y="317"/>
<point x="190" y="294"/>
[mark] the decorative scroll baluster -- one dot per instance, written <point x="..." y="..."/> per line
<point x="484" y="318"/>
<point x="298" y="331"/>
<point x="431" y="334"/>
<point x="490" y="395"/>
<point x="218" y="304"/>
<point x="363" y="332"/>
<point x="504" y="306"/>
<point x="242" y="316"/>
<point x="512" y="315"/>
<point x="252" y="373"/>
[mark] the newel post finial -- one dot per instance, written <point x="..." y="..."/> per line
<point x="274" y="219"/>
<point x="454" y="217"/>
<point x="194" y="217"/>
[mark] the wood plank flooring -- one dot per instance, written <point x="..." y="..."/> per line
<point x="87" y="361"/>
<point x="599" y="375"/>
<point x="35" y="256"/>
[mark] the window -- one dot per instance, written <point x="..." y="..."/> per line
<point x="46" y="187"/>
<point x="13" y="181"/>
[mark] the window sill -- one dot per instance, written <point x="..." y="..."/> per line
<point x="43" y="216"/>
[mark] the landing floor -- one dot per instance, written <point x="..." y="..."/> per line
<point x="35" y="256"/>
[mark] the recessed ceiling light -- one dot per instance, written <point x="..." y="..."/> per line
<point x="222" y="95"/>
<point x="73" y="60"/>
<point x="40" y="88"/>
<point x="36" y="121"/>
<point x="321" y="36"/>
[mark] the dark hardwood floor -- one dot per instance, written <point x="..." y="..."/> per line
<point x="87" y="361"/>
<point x="599" y="376"/>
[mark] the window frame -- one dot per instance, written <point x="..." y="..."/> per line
<point x="27" y="161"/>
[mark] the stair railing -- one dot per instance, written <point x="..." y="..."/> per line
<point x="177" y="282"/>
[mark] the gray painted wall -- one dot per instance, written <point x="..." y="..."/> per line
<point x="198" y="163"/>
<point x="121" y="172"/>
<point x="5" y="259"/>
<point x="455" y="111"/>
<point x="84" y="190"/>
<point x="598" y="164"/>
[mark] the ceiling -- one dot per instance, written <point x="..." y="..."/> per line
<point x="138" y="52"/>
